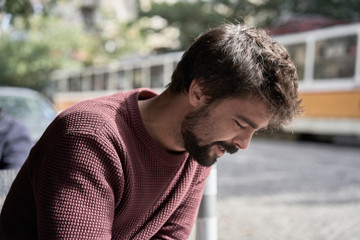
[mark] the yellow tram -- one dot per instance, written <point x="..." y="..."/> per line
<point x="327" y="60"/>
<point x="328" y="66"/>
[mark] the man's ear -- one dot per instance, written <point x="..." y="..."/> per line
<point x="196" y="96"/>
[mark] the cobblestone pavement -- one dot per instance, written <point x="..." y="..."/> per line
<point x="281" y="190"/>
<point x="285" y="218"/>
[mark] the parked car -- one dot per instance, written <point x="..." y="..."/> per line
<point x="30" y="107"/>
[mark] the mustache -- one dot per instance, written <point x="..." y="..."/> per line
<point x="229" y="148"/>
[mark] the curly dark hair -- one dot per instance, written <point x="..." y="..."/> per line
<point x="237" y="61"/>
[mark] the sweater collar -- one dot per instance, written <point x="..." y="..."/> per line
<point x="168" y="158"/>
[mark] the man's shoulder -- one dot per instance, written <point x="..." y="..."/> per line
<point x="98" y="106"/>
<point x="93" y="114"/>
<point x="112" y="102"/>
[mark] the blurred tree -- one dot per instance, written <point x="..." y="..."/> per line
<point x="121" y="38"/>
<point x="17" y="7"/>
<point x="194" y="17"/>
<point x="25" y="8"/>
<point x="273" y="10"/>
<point x="40" y="41"/>
<point x="28" y="56"/>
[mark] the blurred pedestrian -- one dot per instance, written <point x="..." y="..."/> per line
<point x="133" y="165"/>
<point x="15" y="142"/>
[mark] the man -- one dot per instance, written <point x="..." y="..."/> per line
<point x="133" y="165"/>
<point x="15" y="142"/>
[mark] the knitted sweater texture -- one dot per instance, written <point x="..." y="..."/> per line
<point x="96" y="173"/>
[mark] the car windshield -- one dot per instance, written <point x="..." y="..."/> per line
<point x="25" y="107"/>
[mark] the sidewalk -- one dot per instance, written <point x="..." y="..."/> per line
<point x="280" y="190"/>
<point x="289" y="217"/>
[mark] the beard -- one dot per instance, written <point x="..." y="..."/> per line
<point x="201" y="154"/>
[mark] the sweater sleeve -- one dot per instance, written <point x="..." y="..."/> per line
<point x="181" y="222"/>
<point x="75" y="184"/>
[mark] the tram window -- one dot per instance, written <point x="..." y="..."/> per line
<point x="86" y="82"/>
<point x="106" y="80"/>
<point x="121" y="79"/>
<point x="125" y="79"/>
<point x="112" y="80"/>
<point x="74" y="83"/>
<point x="297" y="54"/>
<point x="137" y="82"/>
<point x="157" y="73"/>
<point x="335" y="58"/>
<point x="98" y="81"/>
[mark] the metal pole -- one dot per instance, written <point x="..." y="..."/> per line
<point x="206" y="225"/>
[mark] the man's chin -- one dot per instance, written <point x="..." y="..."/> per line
<point x="208" y="162"/>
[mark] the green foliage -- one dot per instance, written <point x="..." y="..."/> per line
<point x="125" y="38"/>
<point x="39" y="44"/>
<point x="18" y="7"/>
<point x="192" y="18"/>
<point x="24" y="8"/>
<point x="24" y="64"/>
<point x="29" y="55"/>
<point x="273" y="9"/>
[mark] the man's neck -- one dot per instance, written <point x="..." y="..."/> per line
<point x="162" y="116"/>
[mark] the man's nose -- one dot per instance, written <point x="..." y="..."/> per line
<point x="243" y="140"/>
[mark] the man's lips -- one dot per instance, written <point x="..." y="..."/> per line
<point x="229" y="148"/>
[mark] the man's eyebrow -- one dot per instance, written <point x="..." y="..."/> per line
<point x="247" y="121"/>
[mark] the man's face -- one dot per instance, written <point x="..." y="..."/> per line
<point x="223" y="126"/>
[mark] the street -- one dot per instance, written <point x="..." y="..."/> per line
<point x="287" y="190"/>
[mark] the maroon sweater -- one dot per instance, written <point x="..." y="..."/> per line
<point x="96" y="173"/>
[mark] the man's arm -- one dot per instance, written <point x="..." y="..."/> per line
<point x="75" y="185"/>
<point x="181" y="222"/>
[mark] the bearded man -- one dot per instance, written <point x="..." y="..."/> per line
<point x="133" y="165"/>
